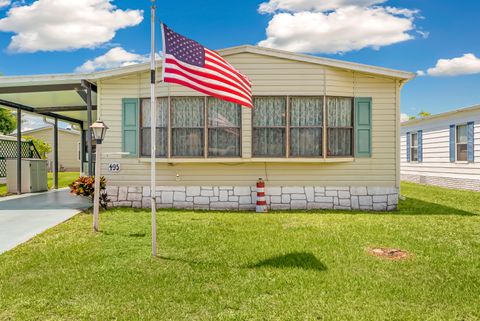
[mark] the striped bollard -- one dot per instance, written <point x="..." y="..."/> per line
<point x="261" y="202"/>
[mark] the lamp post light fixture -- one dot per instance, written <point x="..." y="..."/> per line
<point x="99" y="130"/>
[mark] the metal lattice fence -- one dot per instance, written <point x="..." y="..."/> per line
<point x="8" y="149"/>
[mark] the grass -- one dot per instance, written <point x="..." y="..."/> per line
<point x="245" y="266"/>
<point x="64" y="178"/>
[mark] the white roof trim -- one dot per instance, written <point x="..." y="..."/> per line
<point x="319" y="60"/>
<point x="48" y="127"/>
<point x="442" y="115"/>
<point x="98" y="75"/>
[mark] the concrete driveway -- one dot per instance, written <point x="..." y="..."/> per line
<point x="23" y="217"/>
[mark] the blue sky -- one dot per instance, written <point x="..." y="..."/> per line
<point x="404" y="34"/>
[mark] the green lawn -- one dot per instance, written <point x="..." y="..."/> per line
<point x="245" y="266"/>
<point x="64" y="178"/>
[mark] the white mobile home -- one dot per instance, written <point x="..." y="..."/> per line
<point x="323" y="134"/>
<point x="443" y="149"/>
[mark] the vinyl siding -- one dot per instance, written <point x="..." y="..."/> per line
<point x="436" y="154"/>
<point x="270" y="76"/>
<point x="67" y="147"/>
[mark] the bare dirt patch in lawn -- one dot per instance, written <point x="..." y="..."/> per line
<point x="388" y="253"/>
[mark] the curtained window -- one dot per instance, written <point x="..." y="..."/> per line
<point x="224" y="128"/>
<point x="188" y="126"/>
<point x="162" y="127"/>
<point x="306" y="119"/>
<point x="269" y="126"/>
<point x="339" y="126"/>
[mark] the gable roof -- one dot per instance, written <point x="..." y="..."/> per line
<point x="456" y="112"/>
<point x="98" y="75"/>
<point x="47" y="127"/>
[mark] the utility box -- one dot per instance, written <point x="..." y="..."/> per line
<point x="34" y="175"/>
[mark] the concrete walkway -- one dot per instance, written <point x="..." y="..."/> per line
<point x="23" y="217"/>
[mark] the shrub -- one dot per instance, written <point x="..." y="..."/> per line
<point x="85" y="186"/>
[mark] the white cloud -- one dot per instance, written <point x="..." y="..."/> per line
<point x="51" y="25"/>
<point x="4" y="3"/>
<point x="273" y="6"/>
<point x="404" y="117"/>
<point x="402" y="11"/>
<point x="114" y="58"/>
<point x="420" y="73"/>
<point x="344" y="29"/>
<point x="467" y="64"/>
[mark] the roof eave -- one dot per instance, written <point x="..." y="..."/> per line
<point x="441" y="115"/>
<point x="404" y="75"/>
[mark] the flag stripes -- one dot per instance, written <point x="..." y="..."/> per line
<point x="189" y="64"/>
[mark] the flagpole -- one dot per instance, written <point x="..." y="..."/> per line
<point x="153" y="133"/>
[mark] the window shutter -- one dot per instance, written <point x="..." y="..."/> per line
<point x="470" y="142"/>
<point x="408" y="146"/>
<point x="363" y="127"/>
<point x="420" y="145"/>
<point x="130" y="107"/>
<point x="452" y="143"/>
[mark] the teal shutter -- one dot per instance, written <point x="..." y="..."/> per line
<point x="408" y="146"/>
<point x="363" y="127"/>
<point x="470" y="142"/>
<point x="130" y="122"/>
<point x="420" y="145"/>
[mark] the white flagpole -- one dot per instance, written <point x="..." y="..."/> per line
<point x="153" y="132"/>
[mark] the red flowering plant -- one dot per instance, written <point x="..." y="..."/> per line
<point x="85" y="186"/>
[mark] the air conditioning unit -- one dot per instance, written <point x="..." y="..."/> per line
<point x="34" y="175"/>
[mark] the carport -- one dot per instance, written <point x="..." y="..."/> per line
<point x="69" y="98"/>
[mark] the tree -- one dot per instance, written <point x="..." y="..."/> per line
<point x="411" y="117"/>
<point x="42" y="147"/>
<point x="8" y="122"/>
<point x="424" y="114"/>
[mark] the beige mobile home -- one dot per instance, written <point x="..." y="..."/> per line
<point x="69" y="146"/>
<point x="323" y="134"/>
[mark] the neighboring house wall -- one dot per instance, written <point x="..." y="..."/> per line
<point x="436" y="167"/>
<point x="68" y="144"/>
<point x="366" y="183"/>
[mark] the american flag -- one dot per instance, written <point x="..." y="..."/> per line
<point x="188" y="63"/>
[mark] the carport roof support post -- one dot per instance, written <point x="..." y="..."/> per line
<point x="19" y="151"/>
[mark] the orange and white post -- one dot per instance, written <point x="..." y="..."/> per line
<point x="261" y="202"/>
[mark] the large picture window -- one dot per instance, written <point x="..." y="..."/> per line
<point x="162" y="127"/>
<point x="306" y="123"/>
<point x="269" y="126"/>
<point x="224" y="128"/>
<point x="188" y="126"/>
<point x="340" y="126"/>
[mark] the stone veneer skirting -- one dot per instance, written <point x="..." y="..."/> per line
<point x="244" y="197"/>
<point x="449" y="182"/>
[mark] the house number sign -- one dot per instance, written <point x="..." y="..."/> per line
<point x="114" y="167"/>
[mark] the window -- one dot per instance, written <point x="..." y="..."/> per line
<point x="162" y="127"/>
<point x="269" y="126"/>
<point x="306" y="120"/>
<point x="414" y="147"/>
<point x="461" y="143"/>
<point x="339" y="126"/>
<point x="188" y="126"/>
<point x="224" y="128"/>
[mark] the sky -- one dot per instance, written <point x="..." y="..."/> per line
<point x="437" y="39"/>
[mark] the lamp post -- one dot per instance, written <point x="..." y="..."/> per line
<point x="99" y="130"/>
